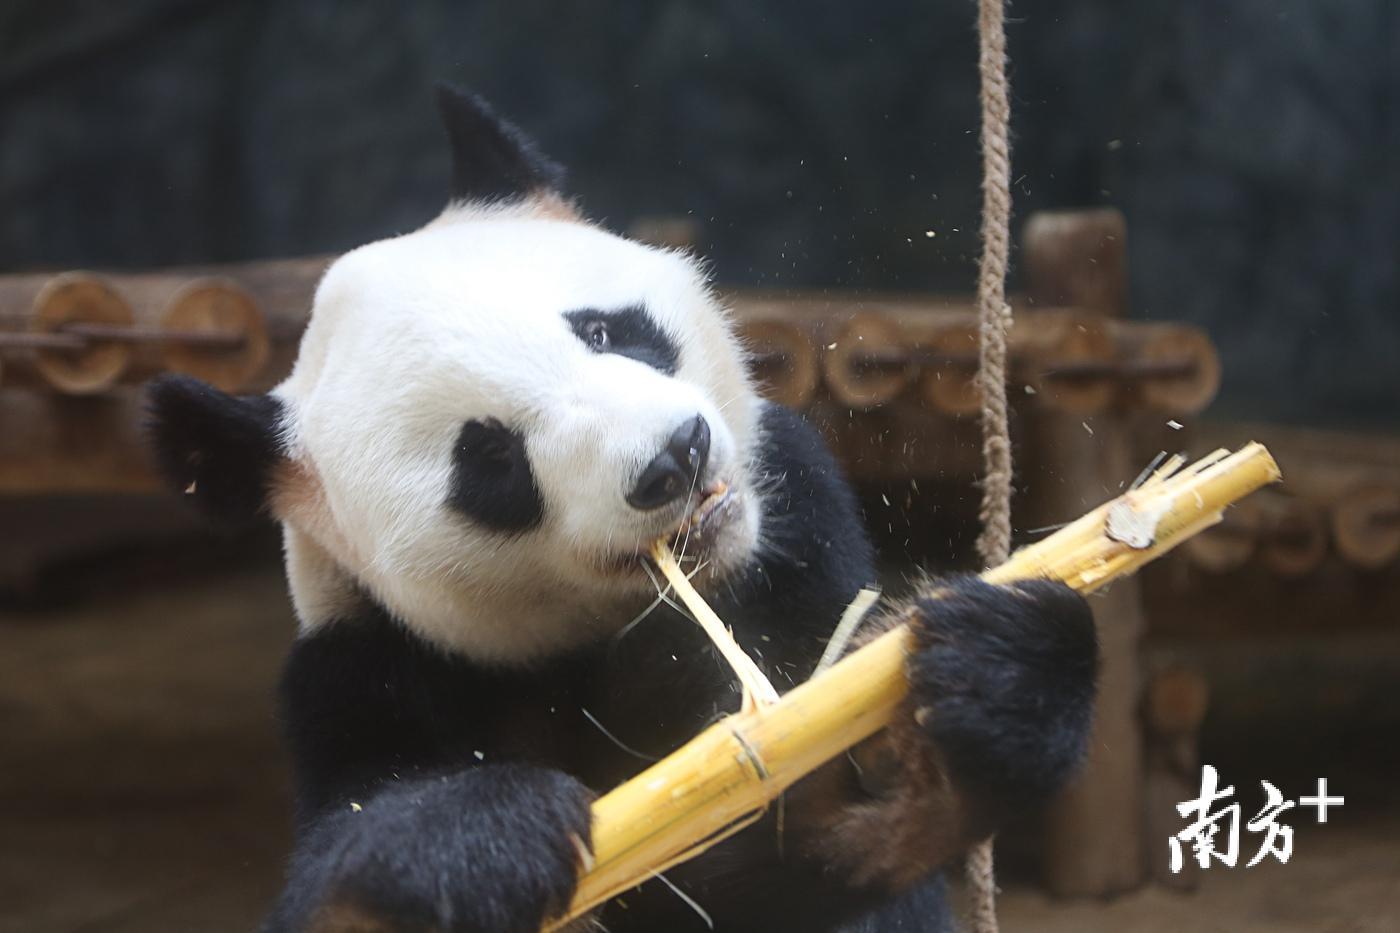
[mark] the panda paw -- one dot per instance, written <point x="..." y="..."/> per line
<point x="489" y="850"/>
<point x="1003" y="682"/>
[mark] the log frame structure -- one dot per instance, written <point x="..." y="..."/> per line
<point x="887" y="378"/>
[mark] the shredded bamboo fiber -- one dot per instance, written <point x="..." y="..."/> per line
<point x="724" y="778"/>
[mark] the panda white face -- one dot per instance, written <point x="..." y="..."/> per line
<point x="492" y="417"/>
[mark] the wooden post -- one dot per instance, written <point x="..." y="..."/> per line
<point x="1077" y="259"/>
<point x="1094" y="831"/>
<point x="1174" y="709"/>
<point x="1094" y="842"/>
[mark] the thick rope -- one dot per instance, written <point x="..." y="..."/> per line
<point x="994" y="319"/>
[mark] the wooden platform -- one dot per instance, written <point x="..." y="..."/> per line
<point x="143" y="788"/>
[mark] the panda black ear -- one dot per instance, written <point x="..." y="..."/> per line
<point x="218" y="450"/>
<point x="492" y="160"/>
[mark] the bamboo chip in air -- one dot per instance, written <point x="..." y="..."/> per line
<point x="728" y="774"/>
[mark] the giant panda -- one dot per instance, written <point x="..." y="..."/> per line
<point x="488" y="421"/>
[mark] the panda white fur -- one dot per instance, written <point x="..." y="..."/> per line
<point x="488" y="420"/>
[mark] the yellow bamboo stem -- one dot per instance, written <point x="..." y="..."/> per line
<point x="730" y="772"/>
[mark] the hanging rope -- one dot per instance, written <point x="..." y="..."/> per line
<point x="994" y="319"/>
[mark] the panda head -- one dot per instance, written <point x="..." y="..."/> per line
<point x="489" y="420"/>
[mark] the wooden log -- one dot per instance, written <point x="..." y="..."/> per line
<point x="1077" y="259"/>
<point x="1173" y="368"/>
<point x="1354" y="477"/>
<point x="899" y="442"/>
<point x="216" y="306"/>
<point x="1366" y="525"/>
<point x="206" y="327"/>
<point x="1293" y="539"/>
<point x="1229" y="545"/>
<point x="1062" y="359"/>
<point x="53" y="443"/>
<point x="1254" y="604"/>
<point x="784" y="359"/>
<point x="1328" y="463"/>
<point x="282" y="288"/>
<point x="50" y="357"/>
<point x="951" y="387"/>
<point x="1094" y="832"/>
<point x="868" y="362"/>
<point x="264" y="305"/>
<point x="1067" y="358"/>
<point x="1176" y="702"/>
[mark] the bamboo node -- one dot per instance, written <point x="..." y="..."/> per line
<point x="751" y="753"/>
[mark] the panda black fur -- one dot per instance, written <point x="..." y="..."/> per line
<point x="456" y="461"/>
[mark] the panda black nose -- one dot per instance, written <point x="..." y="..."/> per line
<point x="675" y="471"/>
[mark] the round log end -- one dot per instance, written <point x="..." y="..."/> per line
<point x="867" y="365"/>
<point x="952" y="387"/>
<point x="1180" y="370"/>
<point x="1070" y="363"/>
<point x="1366" y="526"/>
<point x="80" y="298"/>
<point x="1295" y="543"/>
<point x="216" y="306"/>
<point x="1227" y="546"/>
<point x="783" y="359"/>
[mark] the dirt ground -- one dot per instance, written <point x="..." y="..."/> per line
<point x="142" y="787"/>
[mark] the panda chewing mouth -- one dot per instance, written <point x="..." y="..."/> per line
<point x="715" y="500"/>
<point x="695" y="530"/>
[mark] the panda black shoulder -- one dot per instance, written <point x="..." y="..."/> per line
<point x="814" y="554"/>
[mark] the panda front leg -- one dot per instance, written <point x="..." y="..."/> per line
<point x="998" y="716"/>
<point x="489" y="849"/>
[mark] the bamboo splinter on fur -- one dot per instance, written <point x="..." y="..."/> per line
<point x="723" y="778"/>
<point x="758" y="691"/>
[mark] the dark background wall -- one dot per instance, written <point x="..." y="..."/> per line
<point x="1252" y="143"/>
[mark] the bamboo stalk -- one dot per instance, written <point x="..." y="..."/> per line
<point x="727" y="775"/>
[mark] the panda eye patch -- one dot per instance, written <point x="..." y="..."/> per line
<point x="629" y="332"/>
<point x="492" y="482"/>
